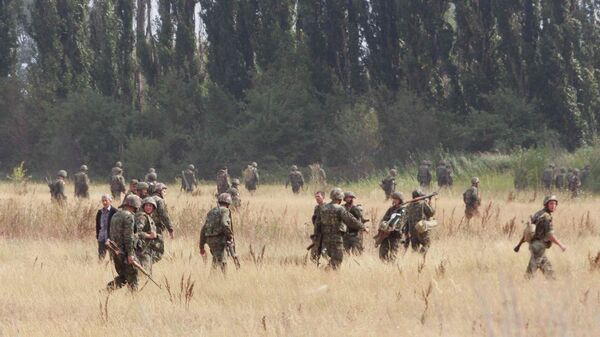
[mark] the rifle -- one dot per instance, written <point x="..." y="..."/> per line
<point x="115" y="248"/>
<point x="230" y="249"/>
<point x="383" y="234"/>
<point x="317" y="240"/>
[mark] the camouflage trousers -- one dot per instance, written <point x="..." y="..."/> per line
<point x="334" y="246"/>
<point x="471" y="211"/>
<point x="420" y="241"/>
<point x="146" y="260"/>
<point x="116" y="194"/>
<point x="296" y="188"/>
<point x="250" y="186"/>
<point x="539" y="260"/>
<point x="353" y="243"/>
<point x="157" y="246"/>
<point x="217" y="245"/>
<point x="82" y="192"/>
<point x="388" y="249"/>
<point x="127" y="274"/>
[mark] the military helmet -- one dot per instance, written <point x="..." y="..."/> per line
<point x="151" y="170"/>
<point x="62" y="173"/>
<point x="576" y="170"/>
<point x="397" y="196"/>
<point x="134" y="182"/>
<point x="549" y="198"/>
<point x="83" y="168"/>
<point x="158" y="187"/>
<point x="336" y="194"/>
<point x="349" y="195"/>
<point x="191" y="167"/>
<point x="474" y="180"/>
<point x="132" y="200"/>
<point x="152" y="176"/>
<point x="224" y="198"/>
<point x="235" y="181"/>
<point x="119" y="164"/>
<point x="294" y="168"/>
<point x="142" y="185"/>
<point x="393" y="172"/>
<point x="254" y="164"/>
<point x="417" y="193"/>
<point x="149" y="200"/>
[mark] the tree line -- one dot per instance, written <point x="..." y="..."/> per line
<point x="353" y="84"/>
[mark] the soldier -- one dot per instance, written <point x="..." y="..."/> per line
<point x="142" y="189"/>
<point x="353" y="239"/>
<point x="424" y="174"/>
<point x="117" y="181"/>
<point x="223" y="182"/>
<point x="132" y="188"/>
<point x="415" y="212"/>
<point x="542" y="239"/>
<point x="217" y="232"/>
<point x="122" y="234"/>
<point x="145" y="233"/>
<point x="57" y="187"/>
<point x="188" y="179"/>
<point x="251" y="177"/>
<point x="441" y="173"/>
<point x="321" y="176"/>
<point x="388" y="248"/>
<point x="315" y="252"/>
<point x="520" y="181"/>
<point x="234" y="192"/>
<point x="574" y="184"/>
<point x="151" y="177"/>
<point x="449" y="174"/>
<point x="472" y="199"/>
<point x="560" y="182"/>
<point x="335" y="220"/>
<point x="296" y="179"/>
<point x="585" y="173"/>
<point x="388" y="184"/>
<point x="162" y="220"/>
<point x="548" y="177"/>
<point x="82" y="183"/>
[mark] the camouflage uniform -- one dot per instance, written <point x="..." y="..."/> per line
<point x="82" y="183"/>
<point x="251" y="177"/>
<point x="388" y="249"/>
<point x="57" y="188"/>
<point x="574" y="184"/>
<point x="389" y="184"/>
<point x="472" y="200"/>
<point x="584" y="175"/>
<point x="424" y="175"/>
<point x="449" y="175"/>
<point x="334" y="219"/>
<point x="122" y="232"/>
<point x="235" y="194"/>
<point x="151" y="176"/>
<point x="560" y="182"/>
<point x="539" y="243"/>
<point x="117" y="183"/>
<point x="188" y="180"/>
<point x="315" y="254"/>
<point x="353" y="239"/>
<point x="132" y="188"/>
<point x="223" y="182"/>
<point x="548" y="177"/>
<point x="322" y="177"/>
<point x="296" y="179"/>
<point x="162" y="221"/>
<point x="144" y="249"/>
<point x="442" y="176"/>
<point x="415" y="212"/>
<point x="216" y="232"/>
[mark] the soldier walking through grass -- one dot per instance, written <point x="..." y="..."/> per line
<point x="217" y="232"/>
<point x="57" y="187"/>
<point x="122" y="234"/>
<point x="353" y="239"/>
<point x="416" y="212"/>
<point x="472" y="199"/>
<point x="296" y="179"/>
<point x="388" y="184"/>
<point x="82" y="183"/>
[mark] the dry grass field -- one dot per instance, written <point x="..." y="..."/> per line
<point x="470" y="284"/>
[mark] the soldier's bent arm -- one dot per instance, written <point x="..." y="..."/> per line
<point x="428" y="210"/>
<point x="556" y="241"/>
<point x="226" y="223"/>
<point x="128" y="238"/>
<point x="351" y="221"/>
<point x="163" y="215"/>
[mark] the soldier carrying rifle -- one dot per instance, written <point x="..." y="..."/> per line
<point x="217" y="232"/>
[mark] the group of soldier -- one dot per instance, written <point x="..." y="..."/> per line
<point x="571" y="179"/>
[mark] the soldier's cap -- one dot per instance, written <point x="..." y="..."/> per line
<point x="349" y="194"/>
<point x="397" y="196"/>
<point x="549" y="198"/>
<point x="119" y="170"/>
<point x="294" y="167"/>
<point x="551" y="165"/>
<point x="474" y="180"/>
<point x="142" y="185"/>
<point x="152" y="176"/>
<point x="417" y="193"/>
<point x="62" y="173"/>
<point x="149" y="200"/>
<point x="119" y="164"/>
<point x="235" y="181"/>
<point x="191" y="167"/>
<point x="224" y="198"/>
<point x="336" y="194"/>
<point x="254" y="164"/>
<point x="393" y="171"/>
<point x="132" y="200"/>
<point x="158" y="187"/>
<point x="83" y="168"/>
<point x="133" y="182"/>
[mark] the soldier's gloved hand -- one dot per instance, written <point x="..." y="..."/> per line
<point x="130" y="259"/>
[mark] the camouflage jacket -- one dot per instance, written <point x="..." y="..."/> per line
<point x="442" y="174"/>
<point x="190" y="177"/>
<point x="357" y="212"/>
<point x="251" y="176"/>
<point x="543" y="225"/>
<point x="223" y="182"/>
<point x="574" y="182"/>
<point x="388" y="184"/>
<point x="217" y="223"/>
<point x="144" y="224"/>
<point x="417" y="211"/>
<point x="393" y="210"/>
<point x="57" y="190"/>
<point x="81" y="180"/>
<point x="122" y="231"/>
<point x="161" y="215"/>
<point x="235" y="196"/>
<point x="335" y="219"/>
<point x="117" y="183"/>
<point x="471" y="197"/>
<point x="295" y="178"/>
<point x="423" y="174"/>
<point x="316" y="219"/>
<point x="548" y="176"/>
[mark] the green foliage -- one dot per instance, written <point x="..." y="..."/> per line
<point x="19" y="178"/>
<point x="142" y="153"/>
<point x="9" y="14"/>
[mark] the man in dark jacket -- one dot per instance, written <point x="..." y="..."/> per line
<point x="103" y="218"/>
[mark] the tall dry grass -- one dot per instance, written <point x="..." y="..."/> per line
<point x="470" y="284"/>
